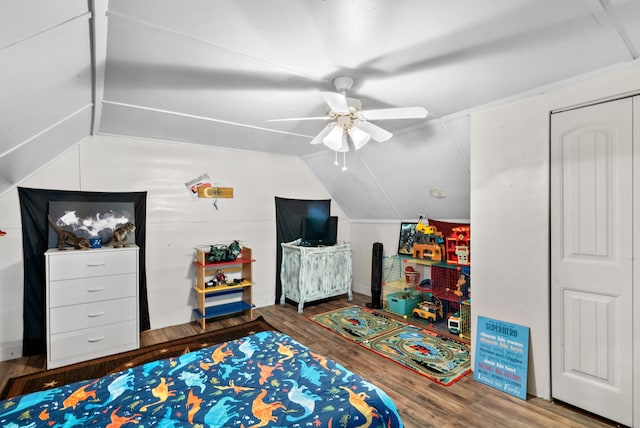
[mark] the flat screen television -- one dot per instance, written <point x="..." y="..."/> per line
<point x="318" y="232"/>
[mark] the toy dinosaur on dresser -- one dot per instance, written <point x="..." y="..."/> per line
<point x="120" y="235"/>
<point x="68" y="238"/>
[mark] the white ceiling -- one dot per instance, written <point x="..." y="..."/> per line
<point x="213" y="73"/>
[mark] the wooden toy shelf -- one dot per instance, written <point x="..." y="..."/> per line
<point x="431" y="280"/>
<point x="211" y="301"/>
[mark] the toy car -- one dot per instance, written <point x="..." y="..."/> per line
<point x="433" y="311"/>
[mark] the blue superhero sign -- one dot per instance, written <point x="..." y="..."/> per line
<point x="502" y="356"/>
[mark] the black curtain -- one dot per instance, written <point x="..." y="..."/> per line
<point x="289" y="216"/>
<point x="34" y="207"/>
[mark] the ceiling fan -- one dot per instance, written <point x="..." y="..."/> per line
<point x="349" y="123"/>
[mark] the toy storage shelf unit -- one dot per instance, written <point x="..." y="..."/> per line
<point x="408" y="281"/>
<point x="406" y="274"/>
<point x="223" y="299"/>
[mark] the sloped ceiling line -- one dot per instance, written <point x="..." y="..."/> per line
<point x="85" y="15"/>
<point x="619" y="28"/>
<point x="208" y="119"/>
<point x="138" y="21"/>
<point x="98" y="34"/>
<point x="457" y="149"/>
<point x="47" y="129"/>
<point x="381" y="188"/>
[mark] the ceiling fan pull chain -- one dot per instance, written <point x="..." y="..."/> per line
<point x="335" y="162"/>
<point x="344" y="160"/>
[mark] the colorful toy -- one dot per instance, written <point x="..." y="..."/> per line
<point x="454" y="323"/>
<point x="224" y="253"/>
<point x="221" y="278"/>
<point x="459" y="246"/>
<point x="427" y="251"/>
<point x="429" y="310"/>
<point x="428" y="243"/>
<point x="460" y="285"/>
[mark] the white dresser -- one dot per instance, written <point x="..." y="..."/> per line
<point x="313" y="273"/>
<point x="92" y="303"/>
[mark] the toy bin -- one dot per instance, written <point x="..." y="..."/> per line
<point x="403" y="303"/>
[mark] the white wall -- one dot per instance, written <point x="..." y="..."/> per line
<point x="363" y="234"/>
<point x="176" y="222"/>
<point x="510" y="210"/>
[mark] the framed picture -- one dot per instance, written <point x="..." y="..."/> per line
<point x="407" y="237"/>
<point x="88" y="219"/>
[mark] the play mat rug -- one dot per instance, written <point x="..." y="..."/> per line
<point x="441" y="359"/>
<point x="427" y="353"/>
<point x="356" y="323"/>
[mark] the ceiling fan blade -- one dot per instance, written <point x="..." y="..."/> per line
<point x="299" y="118"/>
<point x="318" y="138"/>
<point x="333" y="139"/>
<point x="337" y="102"/>
<point x="395" y="113"/>
<point x="358" y="137"/>
<point x="375" y="131"/>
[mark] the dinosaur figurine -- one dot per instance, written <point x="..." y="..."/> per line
<point x="68" y="238"/>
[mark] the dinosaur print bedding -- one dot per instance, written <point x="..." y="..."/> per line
<point x="262" y="380"/>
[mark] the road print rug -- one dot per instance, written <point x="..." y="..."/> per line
<point x="436" y="357"/>
<point x="356" y="323"/>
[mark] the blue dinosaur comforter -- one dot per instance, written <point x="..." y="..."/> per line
<point x="263" y="380"/>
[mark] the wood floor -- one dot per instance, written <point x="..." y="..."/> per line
<point x="421" y="402"/>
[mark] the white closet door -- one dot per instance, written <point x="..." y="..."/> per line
<point x="592" y="260"/>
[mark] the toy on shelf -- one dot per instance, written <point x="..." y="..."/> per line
<point x="454" y="323"/>
<point x="223" y="253"/>
<point x="411" y="276"/>
<point x="461" y="285"/>
<point x="459" y="246"/>
<point x="403" y="303"/>
<point x="430" y="309"/>
<point x="221" y="278"/>
<point x="428" y="243"/>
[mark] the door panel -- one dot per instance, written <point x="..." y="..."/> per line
<point x="591" y="258"/>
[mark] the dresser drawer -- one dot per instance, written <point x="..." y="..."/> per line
<point x="88" y="315"/>
<point x="75" y="291"/>
<point x="72" y="264"/>
<point x="80" y="345"/>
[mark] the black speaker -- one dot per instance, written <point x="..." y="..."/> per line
<point x="376" y="276"/>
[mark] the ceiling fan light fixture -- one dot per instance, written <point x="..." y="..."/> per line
<point x="343" y="83"/>
<point x="319" y="139"/>
<point x="333" y="139"/>
<point x="358" y="137"/>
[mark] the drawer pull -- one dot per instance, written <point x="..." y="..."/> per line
<point x="96" y="264"/>
<point x="95" y="315"/>
<point x="98" y="339"/>
<point x="93" y="290"/>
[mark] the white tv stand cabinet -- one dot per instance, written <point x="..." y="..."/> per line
<point x="313" y="273"/>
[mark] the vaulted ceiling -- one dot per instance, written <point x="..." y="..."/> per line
<point x="214" y="72"/>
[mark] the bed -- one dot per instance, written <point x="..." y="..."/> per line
<point x="266" y="379"/>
